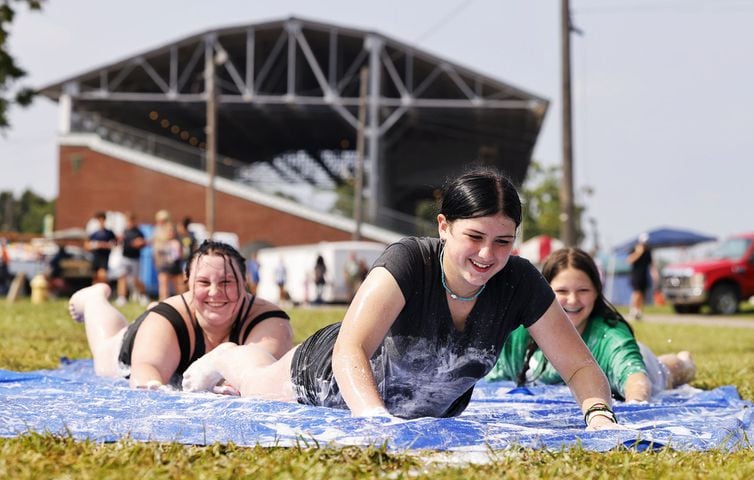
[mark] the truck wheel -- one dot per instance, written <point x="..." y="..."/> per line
<point x="724" y="300"/>
<point x="687" y="308"/>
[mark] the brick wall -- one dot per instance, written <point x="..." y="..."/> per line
<point x="91" y="181"/>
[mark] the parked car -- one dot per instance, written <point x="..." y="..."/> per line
<point x="721" y="281"/>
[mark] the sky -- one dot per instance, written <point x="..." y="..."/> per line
<point x="663" y="103"/>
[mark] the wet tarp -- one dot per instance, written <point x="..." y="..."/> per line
<point x="72" y="401"/>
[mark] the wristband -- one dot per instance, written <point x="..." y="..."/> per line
<point x="599" y="409"/>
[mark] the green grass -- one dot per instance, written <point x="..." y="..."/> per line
<point x="35" y="336"/>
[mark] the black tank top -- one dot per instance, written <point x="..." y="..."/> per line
<point x="184" y="342"/>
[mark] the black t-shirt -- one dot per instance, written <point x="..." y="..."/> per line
<point x="640" y="267"/>
<point x="425" y="367"/>
<point x="129" y="236"/>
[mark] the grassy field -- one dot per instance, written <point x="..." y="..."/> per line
<point x="36" y="336"/>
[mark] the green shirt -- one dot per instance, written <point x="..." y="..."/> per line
<point x="613" y="346"/>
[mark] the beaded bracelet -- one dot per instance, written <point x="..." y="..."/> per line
<point x="599" y="409"/>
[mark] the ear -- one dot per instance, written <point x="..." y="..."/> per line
<point x="443" y="226"/>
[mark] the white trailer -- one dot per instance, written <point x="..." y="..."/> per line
<point x="299" y="261"/>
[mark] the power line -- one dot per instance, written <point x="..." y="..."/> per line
<point x="444" y="20"/>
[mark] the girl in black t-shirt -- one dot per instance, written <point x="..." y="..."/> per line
<point x="427" y="323"/>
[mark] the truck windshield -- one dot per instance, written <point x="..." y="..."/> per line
<point x="731" y="249"/>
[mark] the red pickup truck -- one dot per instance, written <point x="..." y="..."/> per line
<point x="720" y="281"/>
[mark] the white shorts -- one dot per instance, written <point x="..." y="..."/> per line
<point x="658" y="373"/>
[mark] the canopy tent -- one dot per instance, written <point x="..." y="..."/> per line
<point x="667" y="237"/>
<point x="617" y="286"/>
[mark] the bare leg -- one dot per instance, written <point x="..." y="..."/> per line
<point x="123" y="286"/>
<point x="249" y="368"/>
<point x="637" y="305"/>
<point x="163" y="285"/>
<point x="681" y="366"/>
<point x="104" y="325"/>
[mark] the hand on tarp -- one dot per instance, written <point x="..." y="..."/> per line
<point x="156" y="385"/>
<point x="201" y="376"/>
<point x="379" y="415"/>
<point x="599" y="422"/>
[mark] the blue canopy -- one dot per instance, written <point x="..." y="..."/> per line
<point x="667" y="237"/>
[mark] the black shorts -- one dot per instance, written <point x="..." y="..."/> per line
<point x="311" y="368"/>
<point x="639" y="282"/>
<point x="172" y="268"/>
<point x="100" y="260"/>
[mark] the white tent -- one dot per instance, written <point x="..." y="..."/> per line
<point x="538" y="248"/>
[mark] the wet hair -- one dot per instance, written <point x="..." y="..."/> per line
<point x="220" y="249"/>
<point x="480" y="192"/>
<point x="577" y="259"/>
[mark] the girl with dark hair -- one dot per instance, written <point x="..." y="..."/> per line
<point x="633" y="371"/>
<point x="427" y="323"/>
<point x="158" y="346"/>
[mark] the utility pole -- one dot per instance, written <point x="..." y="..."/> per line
<point x="567" y="211"/>
<point x="211" y="134"/>
<point x="358" y="187"/>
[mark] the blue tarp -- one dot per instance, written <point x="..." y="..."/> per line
<point x="72" y="401"/>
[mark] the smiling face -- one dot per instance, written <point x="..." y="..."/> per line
<point x="475" y="250"/>
<point x="576" y="294"/>
<point x="216" y="287"/>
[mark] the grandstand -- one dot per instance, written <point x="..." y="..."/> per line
<point x="133" y="131"/>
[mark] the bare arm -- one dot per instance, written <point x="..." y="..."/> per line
<point x="564" y="348"/>
<point x="636" y="253"/>
<point x="638" y="388"/>
<point x="274" y="335"/>
<point x="374" y="309"/>
<point x="156" y="353"/>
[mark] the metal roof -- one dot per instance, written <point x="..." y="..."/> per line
<point x="291" y="87"/>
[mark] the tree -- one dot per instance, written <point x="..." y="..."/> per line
<point x="344" y="199"/>
<point x="32" y="210"/>
<point x="10" y="72"/>
<point x="25" y="214"/>
<point x="541" y="204"/>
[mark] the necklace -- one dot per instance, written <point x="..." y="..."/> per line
<point x="455" y="296"/>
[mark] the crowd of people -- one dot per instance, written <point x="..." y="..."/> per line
<point x="172" y="245"/>
<point x="431" y="318"/>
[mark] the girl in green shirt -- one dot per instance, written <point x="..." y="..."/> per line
<point x="633" y="371"/>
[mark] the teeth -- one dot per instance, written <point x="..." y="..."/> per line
<point x="572" y="310"/>
<point x="480" y="265"/>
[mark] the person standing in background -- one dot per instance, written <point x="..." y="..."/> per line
<point x="252" y="272"/>
<point x="100" y="243"/>
<point x="167" y="256"/>
<point x="642" y="268"/>
<point x="353" y="275"/>
<point x="186" y="239"/>
<point x="133" y="241"/>
<point x="320" y="269"/>
<point x="281" y="278"/>
<point x="4" y="266"/>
